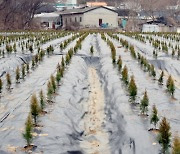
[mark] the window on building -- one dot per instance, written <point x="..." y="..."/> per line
<point x="75" y="19"/>
<point x="70" y="19"/>
<point x="66" y="20"/>
<point x="80" y="19"/>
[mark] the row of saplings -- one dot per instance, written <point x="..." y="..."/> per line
<point x="111" y="45"/>
<point x="160" y="45"/>
<point x="150" y="68"/>
<point x="37" y="106"/>
<point x="35" y="61"/>
<point x="20" y="74"/>
<point x="142" y="60"/>
<point x="164" y="128"/>
<point x="147" y="67"/>
<point x="29" y="43"/>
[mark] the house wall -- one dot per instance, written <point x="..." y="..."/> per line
<point x="91" y="18"/>
<point x="52" y="22"/>
<point x="72" y="19"/>
<point x="164" y="29"/>
<point x="150" y="28"/>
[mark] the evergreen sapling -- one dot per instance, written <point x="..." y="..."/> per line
<point x="160" y="80"/>
<point x="8" y="79"/>
<point x="132" y="89"/>
<point x="176" y="145"/>
<point x="125" y="75"/>
<point x="164" y="135"/>
<point x="28" y="131"/>
<point x="144" y="103"/>
<point x="23" y="71"/>
<point x="154" y="118"/>
<point x="42" y="101"/>
<point x="34" y="108"/>
<point x="17" y="75"/>
<point x="1" y="85"/>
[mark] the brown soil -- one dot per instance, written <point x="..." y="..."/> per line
<point x="96" y="138"/>
<point x="29" y="148"/>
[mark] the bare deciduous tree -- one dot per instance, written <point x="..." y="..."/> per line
<point x="18" y="14"/>
<point x="152" y="7"/>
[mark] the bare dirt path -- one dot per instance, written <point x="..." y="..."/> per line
<point x="96" y="139"/>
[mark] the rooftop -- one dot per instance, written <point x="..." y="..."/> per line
<point x="82" y="10"/>
<point x="46" y="15"/>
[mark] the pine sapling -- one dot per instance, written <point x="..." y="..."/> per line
<point x="119" y="62"/>
<point x="58" y="67"/>
<point x="31" y="48"/>
<point x="171" y="88"/>
<point x="62" y="62"/>
<point x="132" y="89"/>
<point x="154" y="118"/>
<point x="125" y="75"/>
<point x="53" y="82"/>
<point x="42" y="100"/>
<point x="91" y="50"/>
<point x="168" y="81"/>
<point x="36" y="59"/>
<point x="8" y="79"/>
<point x="61" y="46"/>
<point x="133" y="53"/>
<point x="48" y="50"/>
<point x="49" y="90"/>
<point x="173" y="53"/>
<point x="160" y="80"/>
<point x="144" y="103"/>
<point x="23" y="71"/>
<point x="35" y="109"/>
<point x="170" y="85"/>
<point x="153" y="72"/>
<point x="113" y="54"/>
<point x="178" y="56"/>
<point x="67" y="59"/>
<point x="62" y="71"/>
<point x="1" y="85"/>
<point x="164" y="135"/>
<point x="28" y="131"/>
<point x="27" y="67"/>
<point x="33" y="63"/>
<point x="17" y="75"/>
<point x="176" y="145"/>
<point x="58" y="77"/>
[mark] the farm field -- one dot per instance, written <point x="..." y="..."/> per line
<point x="89" y="92"/>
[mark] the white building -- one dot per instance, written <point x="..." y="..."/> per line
<point x="150" y="28"/>
<point x="90" y="17"/>
<point x="178" y="30"/>
<point x="48" y="20"/>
